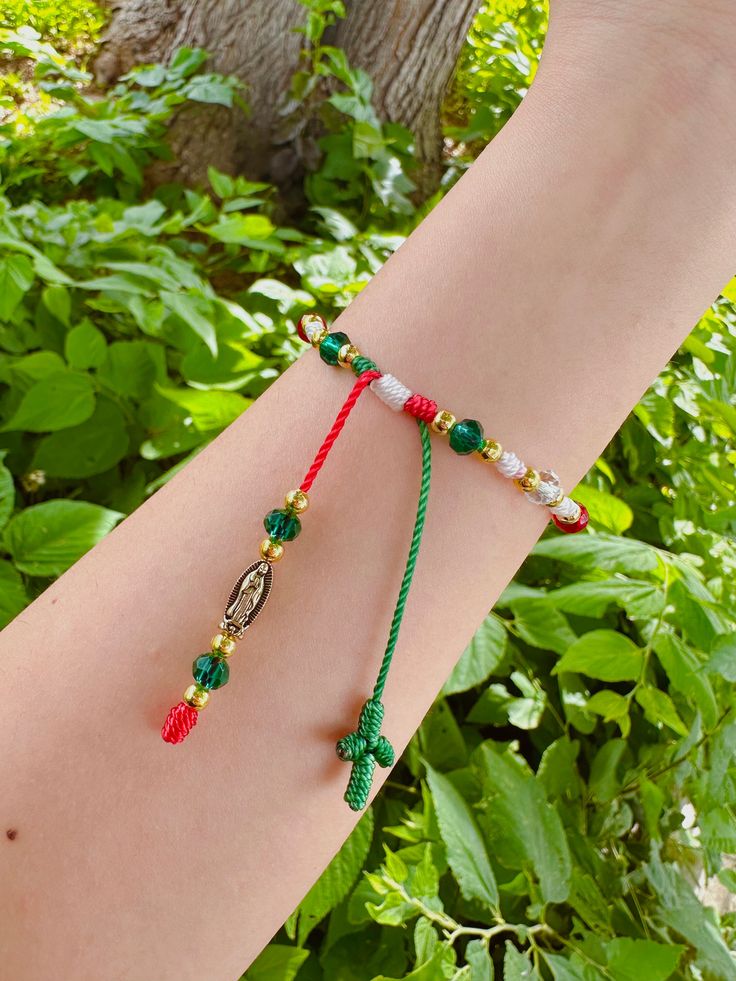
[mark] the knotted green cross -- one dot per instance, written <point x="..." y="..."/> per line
<point x="364" y="748"/>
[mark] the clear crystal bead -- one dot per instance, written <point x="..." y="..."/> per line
<point x="548" y="490"/>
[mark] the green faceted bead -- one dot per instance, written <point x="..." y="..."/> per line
<point x="330" y="346"/>
<point x="466" y="436"/>
<point x="210" y="672"/>
<point x="282" y="525"/>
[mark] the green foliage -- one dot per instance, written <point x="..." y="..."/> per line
<point x="361" y="163"/>
<point x="72" y="27"/>
<point x="496" y="68"/>
<point x="133" y="329"/>
<point x="552" y="816"/>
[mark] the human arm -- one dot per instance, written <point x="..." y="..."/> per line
<point x="541" y="297"/>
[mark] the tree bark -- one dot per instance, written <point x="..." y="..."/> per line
<point x="409" y="48"/>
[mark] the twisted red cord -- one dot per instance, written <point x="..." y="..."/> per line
<point x="179" y="723"/>
<point x="421" y="408"/>
<point x="342" y="416"/>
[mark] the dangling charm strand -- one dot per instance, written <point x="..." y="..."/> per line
<point x="365" y="747"/>
<point x="253" y="586"/>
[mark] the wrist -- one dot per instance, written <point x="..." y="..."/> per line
<point x="667" y="55"/>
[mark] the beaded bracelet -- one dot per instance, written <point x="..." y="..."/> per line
<point x="465" y="437"/>
<point x="365" y="746"/>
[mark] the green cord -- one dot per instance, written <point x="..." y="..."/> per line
<point x="365" y="747"/>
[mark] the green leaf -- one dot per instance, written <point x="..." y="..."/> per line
<point x="337" y="879"/>
<point x="609" y="704"/>
<point x="605" y="770"/>
<point x="16" y="278"/>
<point x="466" y="850"/>
<point x="479" y="961"/>
<point x="641" y="600"/>
<point x="567" y="969"/>
<point x="276" y="962"/>
<point x="516" y="966"/>
<point x="679" y="909"/>
<point x="632" y="960"/>
<point x="723" y="658"/>
<point x="210" y="411"/>
<point x="57" y="401"/>
<point x="240" y="229"/>
<point x="85" y="346"/>
<point x="130" y="368"/>
<point x="603" y="654"/>
<point x="600" y="551"/>
<point x="195" y="312"/>
<point x="7" y="491"/>
<point x="523" y="826"/>
<point x="481" y="657"/>
<point x="45" y="539"/>
<point x="557" y="772"/>
<point x="13" y="597"/>
<point x="686" y="675"/>
<point x="87" y="449"/>
<point x="606" y="511"/>
<point x="541" y="625"/>
<point x="659" y="708"/>
<point x="222" y="184"/>
<point x="58" y="302"/>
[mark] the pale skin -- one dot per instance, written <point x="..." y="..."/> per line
<point x="542" y="296"/>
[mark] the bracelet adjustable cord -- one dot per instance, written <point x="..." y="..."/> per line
<point x="365" y="747"/>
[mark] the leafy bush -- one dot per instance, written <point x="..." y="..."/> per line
<point x="572" y="787"/>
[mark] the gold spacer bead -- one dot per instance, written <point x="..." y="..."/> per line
<point x="196" y="696"/>
<point x="490" y="451"/>
<point x="347" y="354"/>
<point x="319" y="336"/>
<point x="297" y="501"/>
<point x="224" y="644"/>
<point x="271" y="551"/>
<point x="529" y="482"/>
<point x="557" y="501"/>
<point x="443" y="422"/>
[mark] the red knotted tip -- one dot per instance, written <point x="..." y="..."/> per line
<point x="421" y="408"/>
<point x="179" y="723"/>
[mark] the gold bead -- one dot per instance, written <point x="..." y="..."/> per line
<point x="443" y="422"/>
<point x="529" y="482"/>
<point x="196" y="696"/>
<point x="490" y="451"/>
<point x="297" y="501"/>
<point x="314" y="318"/>
<point x="347" y="354"/>
<point x="223" y="644"/>
<point x="271" y="551"/>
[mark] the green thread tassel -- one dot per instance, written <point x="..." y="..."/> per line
<point x="366" y="746"/>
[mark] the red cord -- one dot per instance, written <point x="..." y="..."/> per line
<point x="421" y="408"/>
<point x="342" y="416"/>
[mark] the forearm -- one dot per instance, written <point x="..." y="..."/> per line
<point x="541" y="296"/>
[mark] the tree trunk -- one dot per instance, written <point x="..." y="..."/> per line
<point x="408" y="47"/>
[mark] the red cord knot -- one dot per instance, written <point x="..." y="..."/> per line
<point x="179" y="723"/>
<point x="421" y="408"/>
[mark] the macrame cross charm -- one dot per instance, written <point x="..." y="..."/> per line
<point x="364" y="748"/>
